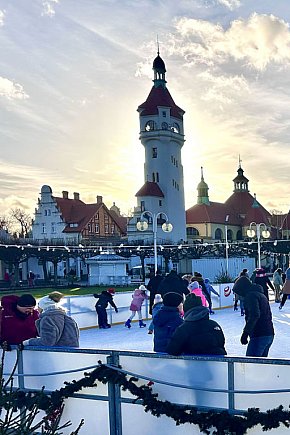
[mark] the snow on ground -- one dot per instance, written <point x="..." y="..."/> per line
<point x="121" y="338"/>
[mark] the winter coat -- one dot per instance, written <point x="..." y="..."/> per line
<point x="16" y="326"/>
<point x="153" y="287"/>
<point x="138" y="298"/>
<point x="156" y="308"/>
<point x="165" y="322"/>
<point x="173" y="283"/>
<point x="258" y="314"/>
<point x="198" y="292"/>
<point x="264" y="282"/>
<point x="198" y="335"/>
<point x="55" y="328"/>
<point x="277" y="278"/>
<point x="105" y="298"/>
<point x="210" y="288"/>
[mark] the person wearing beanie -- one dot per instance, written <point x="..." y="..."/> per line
<point x="157" y="304"/>
<point x="54" y="326"/>
<point x="198" y="335"/>
<point x="173" y="283"/>
<point x="167" y="320"/>
<point x="194" y="288"/>
<point x="104" y="298"/>
<point x="199" y="278"/>
<point x="263" y="280"/>
<point x="259" y="325"/>
<point x="139" y="297"/>
<point x="18" y="316"/>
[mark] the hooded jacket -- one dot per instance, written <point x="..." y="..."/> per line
<point x="198" y="335"/>
<point x="55" y="328"/>
<point x="258" y="315"/>
<point x="16" y="326"/>
<point x="173" y="283"/>
<point x="138" y="298"/>
<point x="165" y="322"/>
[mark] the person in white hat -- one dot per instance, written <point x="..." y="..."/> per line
<point x="139" y="297"/>
<point x="55" y="327"/>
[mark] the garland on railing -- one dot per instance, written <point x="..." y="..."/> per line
<point x="223" y="422"/>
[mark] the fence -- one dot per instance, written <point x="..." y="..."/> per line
<point x="216" y="383"/>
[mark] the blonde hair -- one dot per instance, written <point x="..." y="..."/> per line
<point x="55" y="296"/>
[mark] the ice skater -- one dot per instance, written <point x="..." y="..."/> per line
<point x="157" y="304"/>
<point x="105" y="298"/>
<point x="139" y="297"/>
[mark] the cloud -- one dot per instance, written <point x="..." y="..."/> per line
<point x="1" y="18"/>
<point x="48" y="8"/>
<point x="11" y="90"/>
<point x="257" y="41"/>
<point x="231" y="4"/>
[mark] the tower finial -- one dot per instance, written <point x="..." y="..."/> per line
<point x="240" y="161"/>
<point x="201" y="168"/>
<point x="157" y="40"/>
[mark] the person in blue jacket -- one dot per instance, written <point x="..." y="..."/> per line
<point x="167" y="320"/>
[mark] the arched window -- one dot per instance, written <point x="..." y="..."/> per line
<point x="175" y="127"/>
<point x="218" y="235"/>
<point x="150" y="125"/>
<point x="239" y="235"/>
<point x="191" y="231"/>
<point x="164" y="126"/>
<point x="230" y="235"/>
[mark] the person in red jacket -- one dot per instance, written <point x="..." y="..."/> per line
<point x="18" y="316"/>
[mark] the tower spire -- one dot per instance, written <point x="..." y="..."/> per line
<point x="202" y="191"/>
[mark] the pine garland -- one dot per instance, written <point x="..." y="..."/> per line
<point x="224" y="423"/>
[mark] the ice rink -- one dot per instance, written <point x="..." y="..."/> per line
<point x="121" y="338"/>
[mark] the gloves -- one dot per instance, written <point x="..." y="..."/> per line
<point x="6" y="346"/>
<point x="244" y="338"/>
<point x="116" y="310"/>
<point x="25" y="343"/>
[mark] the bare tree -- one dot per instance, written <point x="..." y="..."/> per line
<point x="22" y="219"/>
<point x="5" y="223"/>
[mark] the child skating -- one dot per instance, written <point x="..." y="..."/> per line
<point x="105" y="298"/>
<point x="139" y="297"/>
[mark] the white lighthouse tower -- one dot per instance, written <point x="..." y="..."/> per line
<point x="162" y="135"/>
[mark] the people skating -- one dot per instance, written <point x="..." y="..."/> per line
<point x="105" y="298"/>
<point x="198" y="335"/>
<point x="167" y="320"/>
<point x="210" y="290"/>
<point x="259" y="326"/>
<point x="153" y="286"/>
<point x="194" y="288"/>
<point x="277" y="283"/>
<point x="199" y="278"/>
<point x="18" y="316"/>
<point x="157" y="304"/>
<point x="173" y="283"/>
<point x="139" y="297"/>
<point x="263" y="280"/>
<point x="54" y="326"/>
<point x="285" y="288"/>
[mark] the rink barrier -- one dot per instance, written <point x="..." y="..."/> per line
<point x="207" y="382"/>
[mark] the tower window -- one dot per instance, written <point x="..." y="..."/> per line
<point x="97" y="228"/>
<point x="164" y="126"/>
<point x="153" y="177"/>
<point x="164" y="114"/>
<point x="175" y="127"/>
<point x="160" y="203"/>
<point x="142" y="205"/>
<point x="157" y="177"/>
<point x="150" y="125"/>
<point x="154" y="153"/>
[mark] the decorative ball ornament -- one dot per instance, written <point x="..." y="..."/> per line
<point x="142" y="226"/>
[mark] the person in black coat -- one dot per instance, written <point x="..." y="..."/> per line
<point x="259" y="326"/>
<point x="153" y="286"/>
<point x="263" y="280"/>
<point x="167" y="320"/>
<point x="173" y="283"/>
<point x="198" y="335"/>
<point x="105" y="298"/>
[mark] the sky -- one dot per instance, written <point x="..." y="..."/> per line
<point x="72" y="74"/>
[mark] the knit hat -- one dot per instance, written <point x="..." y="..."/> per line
<point x="142" y="287"/>
<point x="46" y="302"/>
<point x="26" y="300"/>
<point x="260" y="273"/>
<point x="191" y="301"/>
<point x="193" y="285"/>
<point x="157" y="299"/>
<point x="172" y="299"/>
<point x="111" y="290"/>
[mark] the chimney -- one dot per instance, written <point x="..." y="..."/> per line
<point x="99" y="199"/>
<point x="65" y="194"/>
<point x="76" y="195"/>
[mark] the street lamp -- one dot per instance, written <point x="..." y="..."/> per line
<point x="142" y="225"/>
<point x="265" y="233"/>
<point x="227" y="245"/>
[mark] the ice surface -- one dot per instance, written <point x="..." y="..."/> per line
<point x="121" y="338"/>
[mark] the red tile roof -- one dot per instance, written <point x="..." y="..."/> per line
<point x="215" y="213"/>
<point x="150" y="189"/>
<point x="157" y="97"/>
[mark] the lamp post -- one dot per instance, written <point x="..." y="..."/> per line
<point x="265" y="233"/>
<point x="227" y="245"/>
<point x="142" y="225"/>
